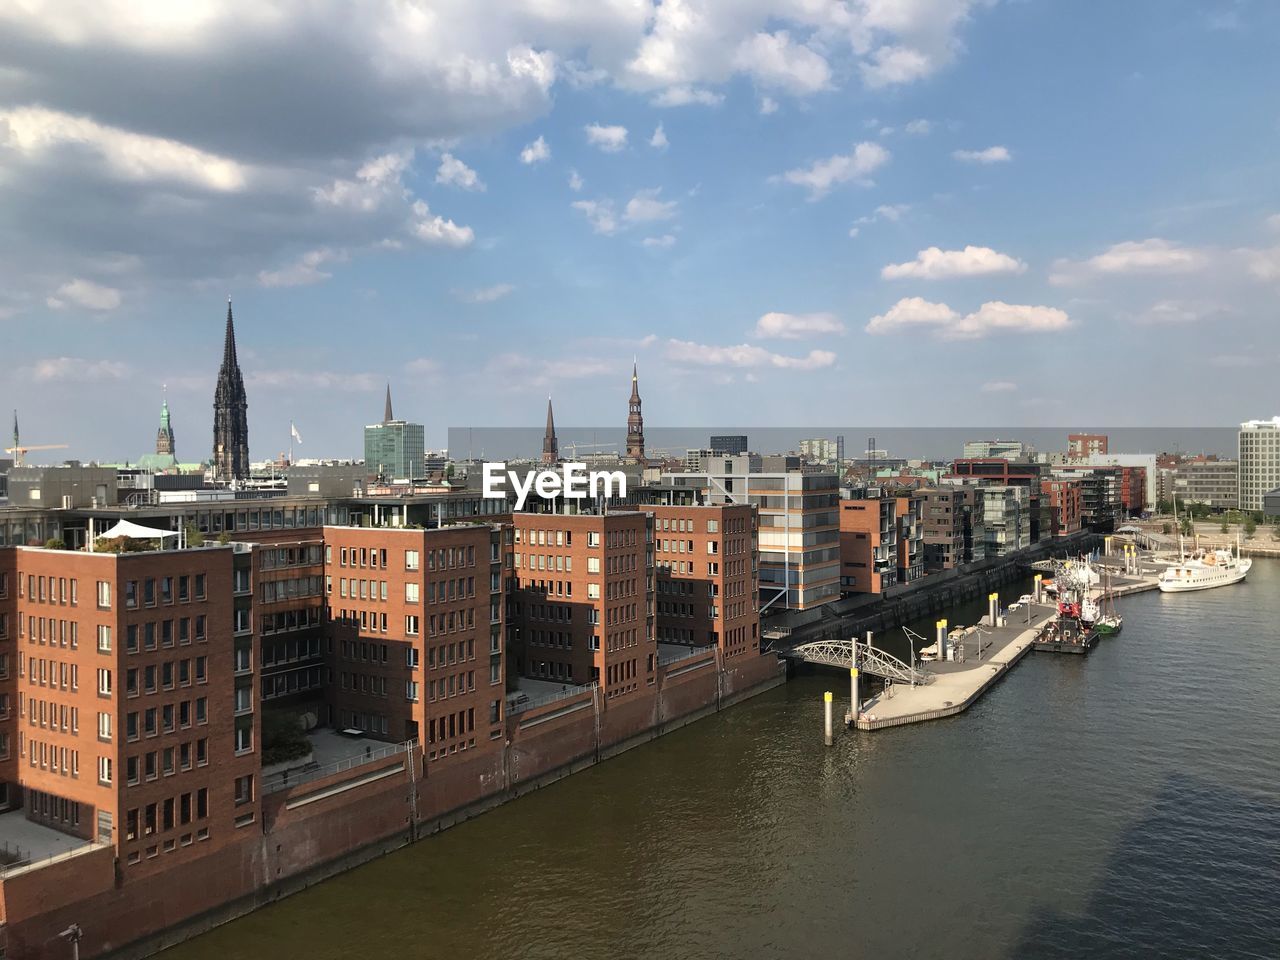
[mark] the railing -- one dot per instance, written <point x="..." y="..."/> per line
<point x="668" y="659"/>
<point x="292" y="778"/>
<point x="23" y="863"/>
<point x="540" y="700"/>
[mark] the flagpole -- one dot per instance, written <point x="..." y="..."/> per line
<point x="291" y="428"/>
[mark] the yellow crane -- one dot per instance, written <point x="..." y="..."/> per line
<point x="20" y="450"/>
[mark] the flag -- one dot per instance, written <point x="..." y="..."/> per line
<point x="294" y="432"/>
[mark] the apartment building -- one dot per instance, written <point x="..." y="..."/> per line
<point x="1006" y="519"/>
<point x="1066" y="504"/>
<point x="1087" y="444"/>
<point x="416" y="635"/>
<point x="952" y="524"/>
<point x="581" y="600"/>
<point x="1215" y="483"/>
<point x="706" y="588"/>
<point x="134" y="710"/>
<point x="909" y="509"/>
<point x="868" y="544"/>
<point x="1259" y="459"/>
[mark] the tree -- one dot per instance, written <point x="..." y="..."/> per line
<point x="1250" y="526"/>
<point x="55" y="543"/>
<point x="194" y="537"/>
<point x="1223" y="528"/>
<point x="1186" y="526"/>
<point x="1166" y="529"/>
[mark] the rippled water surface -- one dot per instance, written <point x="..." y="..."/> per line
<point x="1121" y="805"/>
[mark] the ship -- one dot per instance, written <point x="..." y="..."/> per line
<point x="1205" y="570"/>
<point x="1073" y="628"/>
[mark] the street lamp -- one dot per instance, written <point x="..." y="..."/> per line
<point x="72" y="935"/>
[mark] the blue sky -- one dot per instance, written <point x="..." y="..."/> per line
<point x="923" y="212"/>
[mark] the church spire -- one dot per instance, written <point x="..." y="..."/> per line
<point x="229" y="340"/>
<point x="164" y="436"/>
<point x="550" y="446"/>
<point x="230" y="413"/>
<point x="635" y="419"/>
<point x="387" y="416"/>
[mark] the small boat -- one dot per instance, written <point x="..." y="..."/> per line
<point x="1205" y="570"/>
<point x="1109" y="625"/>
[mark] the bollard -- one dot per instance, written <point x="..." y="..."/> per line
<point x="941" y="628"/>
<point x="828" y="735"/>
<point x="855" y="698"/>
<point x="1036" y="589"/>
<point x="993" y="608"/>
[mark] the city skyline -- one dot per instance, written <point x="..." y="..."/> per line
<point x="766" y="199"/>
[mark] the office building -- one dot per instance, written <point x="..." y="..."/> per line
<point x="1214" y="483"/>
<point x="733" y="444"/>
<point x="394" y="449"/>
<point x="1081" y="445"/>
<point x="1259" y="461"/>
<point x="1006" y="518"/>
<point x="989" y="449"/>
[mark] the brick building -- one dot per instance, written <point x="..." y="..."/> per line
<point x="952" y="521"/>
<point x="868" y="544"/>
<point x="1087" y="444"/>
<point x="1066" y="503"/>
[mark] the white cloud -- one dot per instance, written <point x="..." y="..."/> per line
<point x="485" y="294"/>
<point x="797" y="326"/>
<point x="768" y="105"/>
<point x="661" y="243"/>
<point x="438" y="231"/>
<point x="645" y="207"/>
<point x="536" y="152"/>
<point x="41" y="135"/>
<point x="1264" y="265"/>
<point x="576" y="182"/>
<point x="521" y="371"/>
<point x="818" y="179"/>
<point x="659" y="139"/>
<point x="292" y="379"/>
<point x="1273" y="221"/>
<point x="599" y="213"/>
<point x="893" y="212"/>
<point x="1177" y="312"/>
<point x="854" y="231"/>
<point x="987" y="156"/>
<point x="85" y="293"/>
<point x="77" y="370"/>
<point x="919" y="127"/>
<point x="999" y="386"/>
<point x="610" y="139"/>
<point x="743" y="355"/>
<point x="454" y="173"/>
<point x="1150" y="256"/>
<point x="936" y="264"/>
<point x="684" y="96"/>
<point x="894" y="65"/>
<point x="916" y="313"/>
<point x="773" y="60"/>
<point x="423" y="366"/>
<point x="305" y="270"/>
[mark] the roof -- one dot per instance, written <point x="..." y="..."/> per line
<point x="135" y="531"/>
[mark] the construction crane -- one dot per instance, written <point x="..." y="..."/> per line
<point x="20" y="450"/>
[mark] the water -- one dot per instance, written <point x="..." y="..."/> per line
<point x="1126" y="804"/>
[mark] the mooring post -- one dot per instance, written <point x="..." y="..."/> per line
<point x="1036" y="589"/>
<point x="941" y="628"/>
<point x="993" y="608"/>
<point x="828" y="734"/>
<point x="855" y="698"/>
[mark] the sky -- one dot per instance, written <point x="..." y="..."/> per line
<point x="901" y="212"/>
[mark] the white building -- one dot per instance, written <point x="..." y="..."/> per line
<point x="1259" y="461"/>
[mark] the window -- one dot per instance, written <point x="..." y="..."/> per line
<point x="104" y="595"/>
<point x="411" y="690"/>
<point x="104" y="638"/>
<point x="244" y="739"/>
<point x="411" y="657"/>
<point x="411" y="559"/>
<point x="411" y="593"/>
<point x="411" y="625"/>
<point x="593" y="564"/>
<point x="244" y="789"/>
<point x="104" y="726"/>
<point x="593" y="538"/>
<point x="593" y="591"/>
<point x="199" y="591"/>
<point x="104" y="682"/>
<point x="104" y="770"/>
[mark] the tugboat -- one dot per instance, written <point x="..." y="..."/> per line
<point x="1073" y="628"/>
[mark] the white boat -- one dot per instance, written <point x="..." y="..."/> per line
<point x="1204" y="571"/>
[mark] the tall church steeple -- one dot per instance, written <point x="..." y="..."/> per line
<point x="387" y="416"/>
<point x="550" y="446"/>
<point x="635" y="419"/>
<point x="164" y="436"/>
<point x="230" y="413"/>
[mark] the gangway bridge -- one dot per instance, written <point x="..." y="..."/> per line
<point x="860" y="654"/>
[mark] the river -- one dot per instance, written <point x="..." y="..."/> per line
<point x="1126" y="804"/>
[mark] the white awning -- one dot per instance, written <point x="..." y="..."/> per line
<point x="135" y="531"/>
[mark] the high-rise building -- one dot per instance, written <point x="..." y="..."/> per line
<point x="987" y="449"/>
<point x="952" y="520"/>
<point x="1259" y="459"/>
<point x="733" y="444"/>
<point x="393" y="449"/>
<point x="1215" y="483"/>
<point x="230" y="413"/>
<point x="550" y="445"/>
<point x="635" y="420"/>
<point x="821" y="450"/>
<point x="1086" y="444"/>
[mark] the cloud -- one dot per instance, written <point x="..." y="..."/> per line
<point x="818" y="179"/>
<point x="893" y="212"/>
<point x="576" y="182"/>
<point x="1151" y="256"/>
<point x="295" y="379"/>
<point x="936" y="264"/>
<point x="599" y="213"/>
<point x="987" y="156"/>
<point x="999" y="386"/>
<point x="422" y="366"/>
<point x="768" y="105"/>
<point x="485" y="294"/>
<point x="521" y="371"/>
<point x="436" y="230"/>
<point x="774" y="60"/>
<point x="77" y="370"/>
<point x="535" y="152"/>
<point x="645" y="207"/>
<point x="454" y="173"/>
<point x="659" y="139"/>
<point x="610" y="139"/>
<point x="1165" y="312"/>
<point x="743" y="355"/>
<point x="662" y="242"/>
<point x="916" y="313"/>
<point x="305" y="270"/>
<point x="1273" y="221"/>
<point x="892" y="65"/>
<point x="796" y="326"/>
<point x="1264" y="265"/>
<point x="919" y="127"/>
<point x="684" y="96"/>
<point x="84" y="293"/>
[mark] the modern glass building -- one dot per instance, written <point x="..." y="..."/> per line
<point x="393" y="449"/>
<point x="1259" y="461"/>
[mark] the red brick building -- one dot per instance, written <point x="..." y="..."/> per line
<point x="868" y="544"/>
<point x="1081" y="445"/>
<point x="1066" y="504"/>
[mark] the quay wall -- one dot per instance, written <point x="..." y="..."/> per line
<point x="319" y="828"/>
